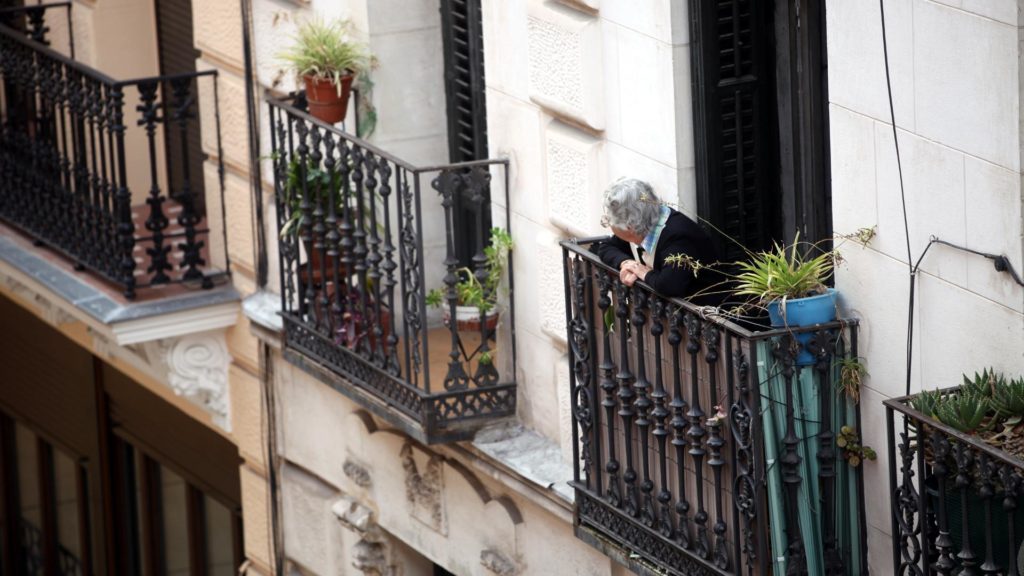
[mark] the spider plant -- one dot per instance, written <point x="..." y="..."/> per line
<point x="325" y="51"/>
<point x="783" y="273"/>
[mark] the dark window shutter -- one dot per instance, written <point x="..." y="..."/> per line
<point x="177" y="55"/>
<point x="734" y="121"/>
<point x="462" y="34"/>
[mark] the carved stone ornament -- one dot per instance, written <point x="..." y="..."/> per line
<point x="198" y="370"/>
<point x="357" y="473"/>
<point x="372" y="553"/>
<point x="424" y="491"/>
<point x="498" y="563"/>
<point x="193" y="366"/>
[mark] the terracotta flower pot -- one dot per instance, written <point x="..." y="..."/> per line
<point x="324" y="101"/>
<point x="468" y="318"/>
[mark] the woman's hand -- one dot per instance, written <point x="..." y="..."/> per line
<point x="630" y="271"/>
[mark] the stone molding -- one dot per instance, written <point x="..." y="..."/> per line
<point x="566" y="64"/>
<point x="371" y="554"/>
<point x="498" y="563"/>
<point x="425" y="491"/>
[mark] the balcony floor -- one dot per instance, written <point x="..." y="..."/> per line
<point x="439" y="343"/>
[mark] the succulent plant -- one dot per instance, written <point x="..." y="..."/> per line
<point x="964" y="411"/>
<point x="1008" y="398"/>
<point x="853" y="451"/>
<point x="927" y="402"/>
<point x="984" y="384"/>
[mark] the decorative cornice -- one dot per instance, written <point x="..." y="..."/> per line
<point x="175" y="324"/>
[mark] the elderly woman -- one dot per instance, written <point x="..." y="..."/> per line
<point x="646" y="232"/>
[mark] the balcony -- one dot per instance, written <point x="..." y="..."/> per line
<point x="107" y="173"/>
<point x="704" y="446"/>
<point x="955" y="496"/>
<point x="362" y="232"/>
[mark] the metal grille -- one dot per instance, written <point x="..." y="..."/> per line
<point x="353" y="264"/>
<point x="65" y="160"/>
<point x="676" y="464"/>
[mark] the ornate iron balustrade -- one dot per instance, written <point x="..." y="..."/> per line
<point x="954" y="499"/>
<point x="353" y="267"/>
<point x="703" y="447"/>
<point x="68" y="172"/>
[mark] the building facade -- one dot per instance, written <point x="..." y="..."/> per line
<point x="298" y="408"/>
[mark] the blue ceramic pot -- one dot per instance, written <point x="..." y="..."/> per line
<point x="804" y="312"/>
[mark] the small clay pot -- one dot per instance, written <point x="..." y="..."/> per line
<point x="324" y="102"/>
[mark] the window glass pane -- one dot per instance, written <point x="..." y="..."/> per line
<point x="140" y="500"/>
<point x="175" y="513"/>
<point x="220" y="555"/>
<point x="65" y="473"/>
<point x="29" y="500"/>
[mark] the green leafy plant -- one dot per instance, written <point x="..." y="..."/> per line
<point x="325" y="50"/>
<point x="853" y="451"/>
<point x="481" y="293"/>
<point x="851" y="376"/>
<point x="317" y="186"/>
<point x="783" y="273"/>
<point x="319" y="183"/>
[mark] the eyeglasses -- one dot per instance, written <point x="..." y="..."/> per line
<point x="606" y="221"/>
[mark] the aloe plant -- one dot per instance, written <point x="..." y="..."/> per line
<point x="1008" y="398"/>
<point x="927" y="402"/>
<point x="965" y="412"/>
<point x="984" y="384"/>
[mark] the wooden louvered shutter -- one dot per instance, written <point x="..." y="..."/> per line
<point x="732" y="54"/>
<point x="177" y="56"/>
<point x="462" y="34"/>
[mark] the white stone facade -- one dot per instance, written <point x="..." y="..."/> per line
<point x="957" y="93"/>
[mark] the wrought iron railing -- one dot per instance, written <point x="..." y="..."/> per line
<point x="354" y="263"/>
<point x="67" y="169"/>
<point x="955" y="499"/>
<point x="704" y="447"/>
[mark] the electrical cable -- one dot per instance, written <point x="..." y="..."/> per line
<point x="253" y="116"/>
<point x="903" y="199"/>
<point x="999" y="261"/>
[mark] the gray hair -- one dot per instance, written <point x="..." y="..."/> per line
<point x="630" y="204"/>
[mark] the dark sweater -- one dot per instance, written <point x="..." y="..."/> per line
<point x="680" y="236"/>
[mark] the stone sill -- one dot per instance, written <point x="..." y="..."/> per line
<point x="524" y="460"/>
<point x="130" y="322"/>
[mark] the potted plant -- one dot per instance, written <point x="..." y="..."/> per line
<point x="478" y="297"/>
<point x="327" y="60"/>
<point x="789" y="284"/>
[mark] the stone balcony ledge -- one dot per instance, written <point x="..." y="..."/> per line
<point x="156" y="317"/>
